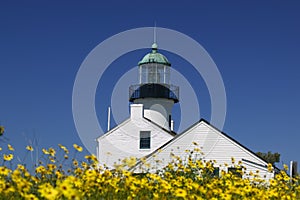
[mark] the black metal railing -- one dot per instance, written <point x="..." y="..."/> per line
<point x="154" y="90"/>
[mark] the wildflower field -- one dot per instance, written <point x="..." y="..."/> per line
<point x="58" y="176"/>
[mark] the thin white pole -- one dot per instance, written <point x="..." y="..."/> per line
<point x="291" y="169"/>
<point x="154" y="33"/>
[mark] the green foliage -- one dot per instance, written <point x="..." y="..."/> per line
<point x="269" y="157"/>
<point x="183" y="178"/>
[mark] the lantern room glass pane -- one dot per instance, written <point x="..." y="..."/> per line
<point x="154" y="73"/>
<point x="143" y="74"/>
<point x="160" y="74"/>
<point x="166" y="74"/>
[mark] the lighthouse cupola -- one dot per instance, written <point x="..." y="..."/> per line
<point x="154" y="90"/>
<point x="154" y="68"/>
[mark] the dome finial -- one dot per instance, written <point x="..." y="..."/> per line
<point x="154" y="47"/>
<point x="154" y="57"/>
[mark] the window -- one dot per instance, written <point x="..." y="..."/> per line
<point x="145" y="140"/>
<point x="235" y="171"/>
<point x="214" y="173"/>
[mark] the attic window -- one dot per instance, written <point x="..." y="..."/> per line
<point x="145" y="140"/>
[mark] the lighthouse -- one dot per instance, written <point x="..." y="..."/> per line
<point x="149" y="124"/>
<point x="147" y="133"/>
<point x="154" y="90"/>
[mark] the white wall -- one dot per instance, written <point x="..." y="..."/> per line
<point x="214" y="146"/>
<point x="157" y="110"/>
<point x="124" y="140"/>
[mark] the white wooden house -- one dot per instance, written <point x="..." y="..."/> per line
<point x="135" y="137"/>
<point x="149" y="131"/>
<point x="214" y="146"/>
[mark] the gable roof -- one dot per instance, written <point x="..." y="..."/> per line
<point x="219" y="131"/>
<point x="114" y="128"/>
<point x="172" y="133"/>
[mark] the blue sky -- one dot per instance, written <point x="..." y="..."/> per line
<point x="255" y="45"/>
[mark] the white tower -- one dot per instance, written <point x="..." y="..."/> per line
<point x="154" y="90"/>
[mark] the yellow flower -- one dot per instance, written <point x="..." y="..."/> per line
<point x="30" y="197"/>
<point x="21" y="167"/>
<point x="91" y="157"/>
<point x="1" y="130"/>
<point x="58" y="174"/>
<point x="45" y="151"/>
<point x="29" y="148"/>
<point x="65" y="188"/>
<point x="75" y="162"/>
<point x="52" y="152"/>
<point x="285" y="167"/>
<point x="47" y="191"/>
<point x="143" y="159"/>
<point x="232" y="160"/>
<point x="89" y="180"/>
<point x="10" y="147"/>
<point x="180" y="193"/>
<point x="130" y="162"/>
<point x="64" y="148"/>
<point x="51" y="167"/>
<point x="77" y="147"/>
<point x="52" y="159"/>
<point x="84" y="165"/>
<point x="40" y="169"/>
<point x="8" y="157"/>
<point x="4" y="170"/>
<point x="272" y="182"/>
<point x="270" y="167"/>
<point x="195" y="143"/>
<point x="286" y="178"/>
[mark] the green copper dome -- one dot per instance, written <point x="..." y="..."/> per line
<point x="155" y="57"/>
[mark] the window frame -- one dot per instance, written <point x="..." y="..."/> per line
<point x="145" y="140"/>
<point x="236" y="171"/>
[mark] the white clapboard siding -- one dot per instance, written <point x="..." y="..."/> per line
<point x="123" y="141"/>
<point x="214" y="145"/>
